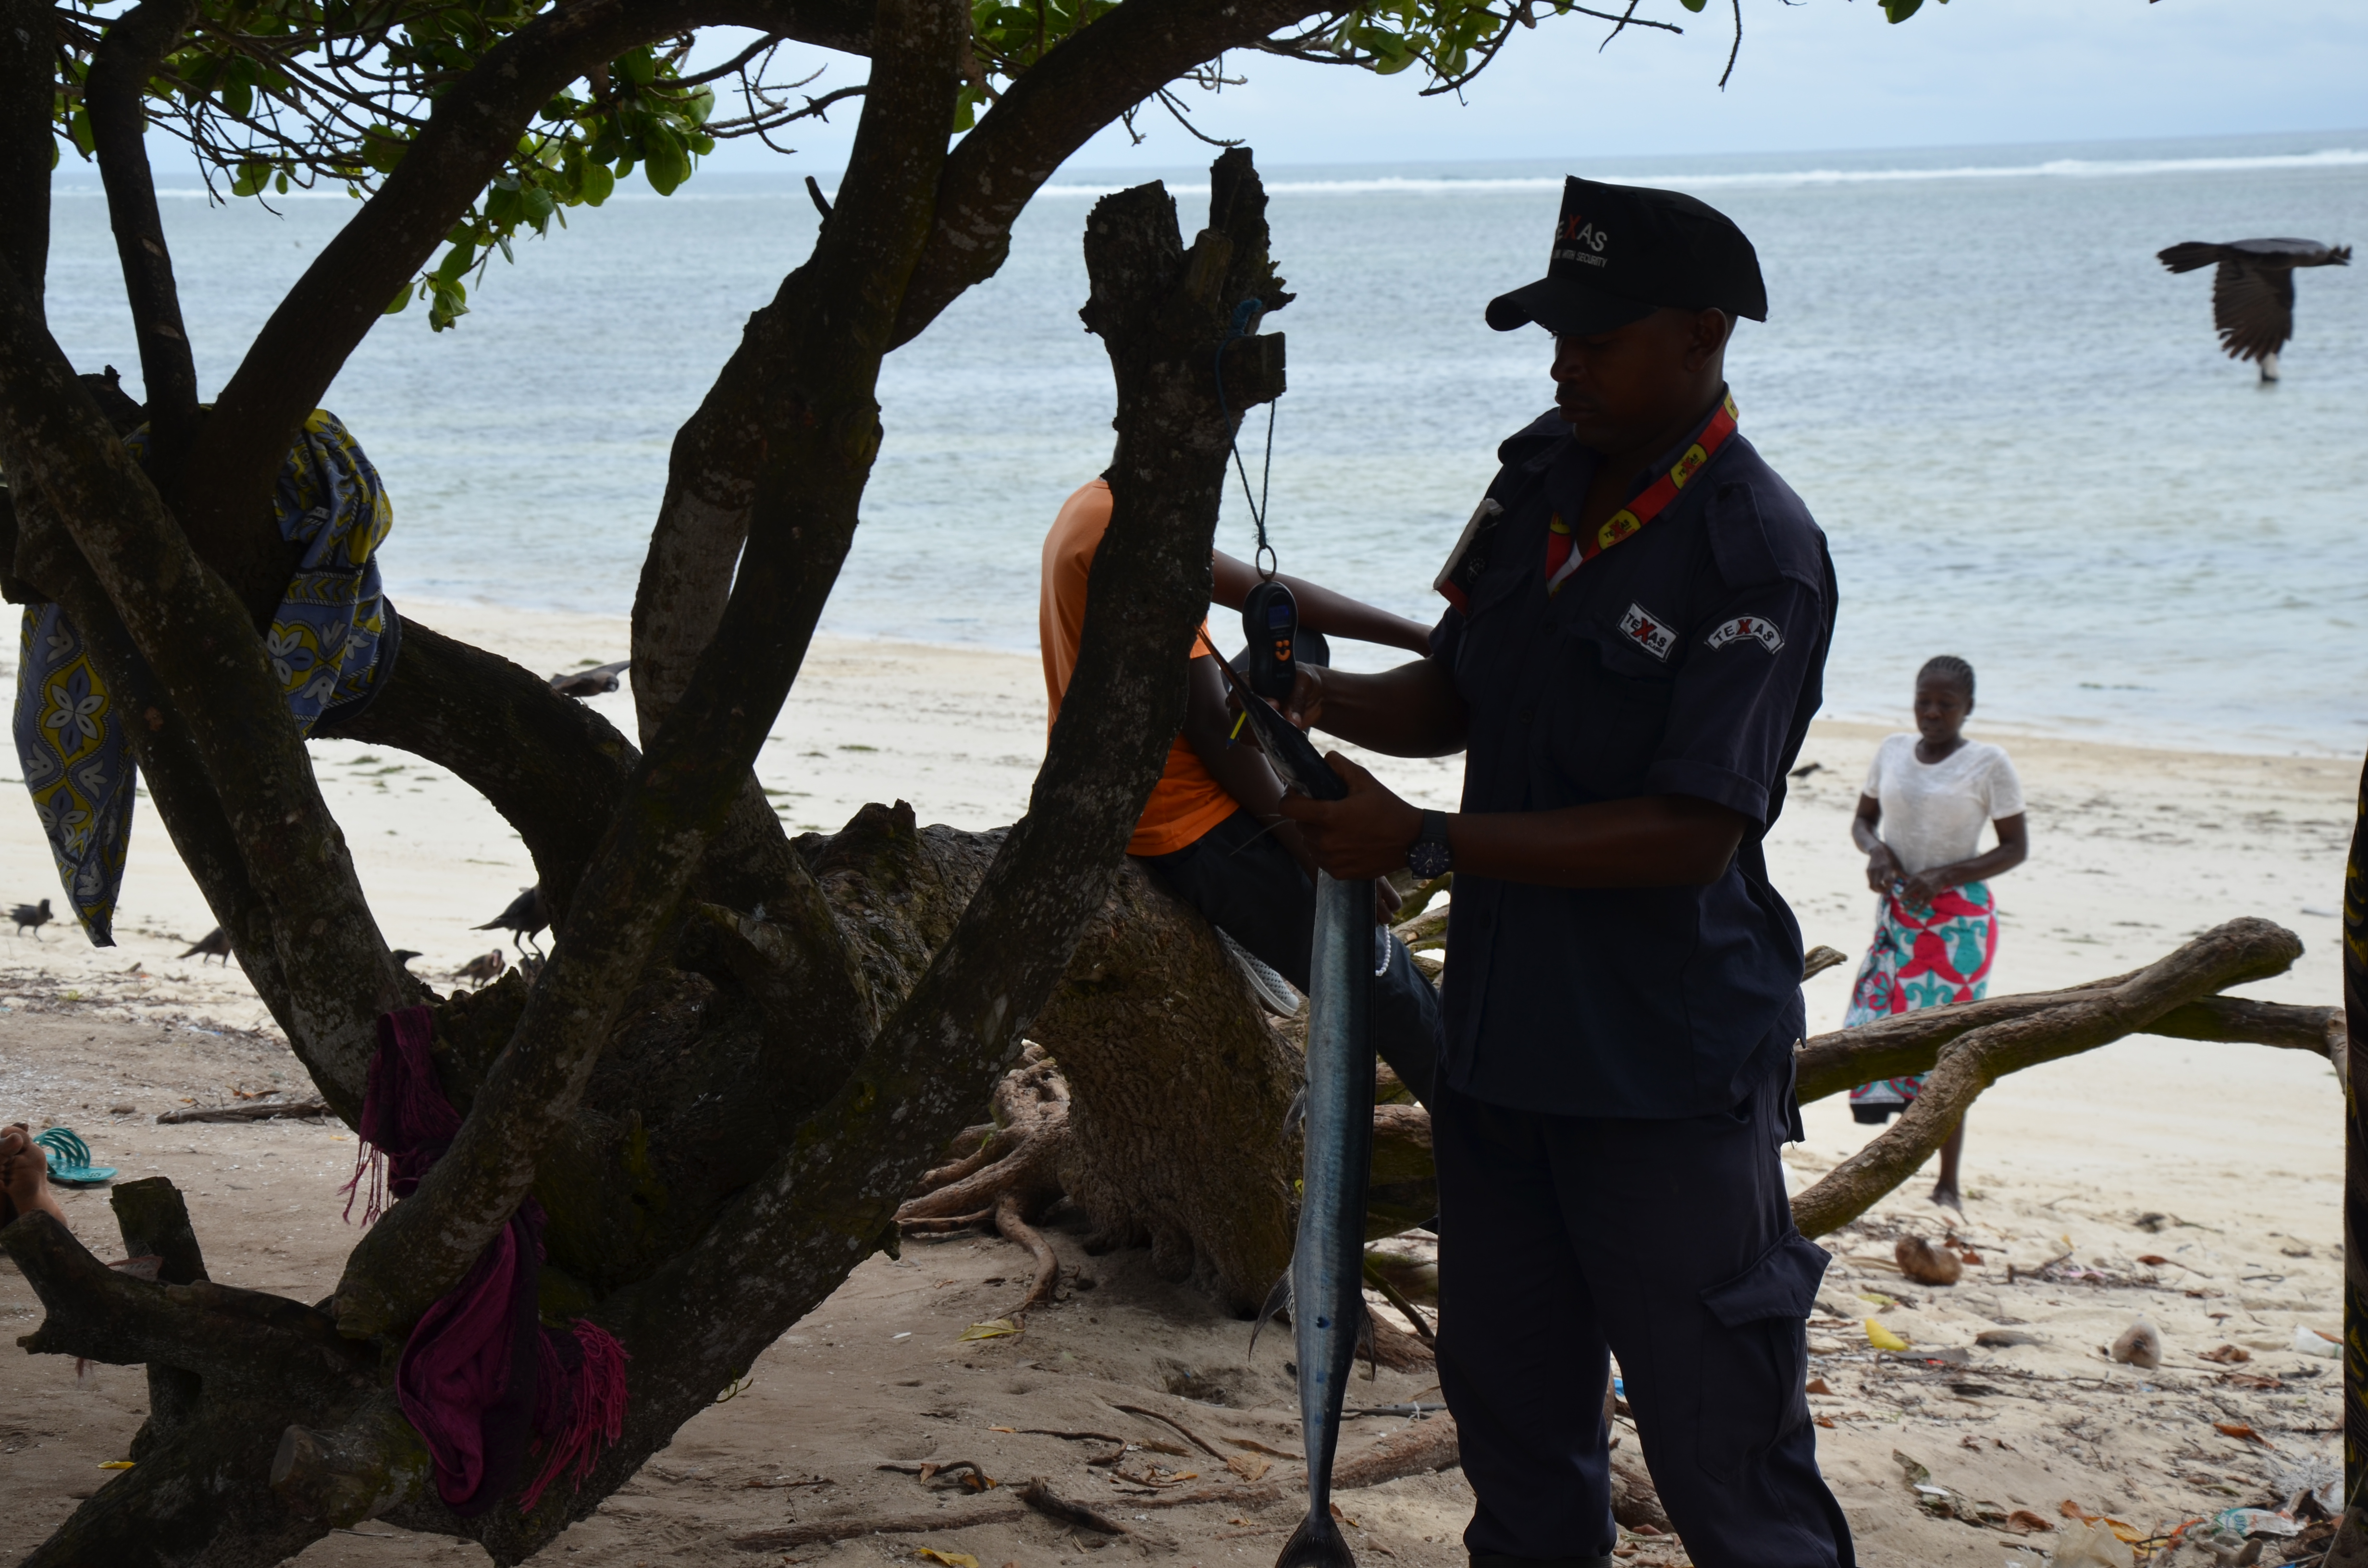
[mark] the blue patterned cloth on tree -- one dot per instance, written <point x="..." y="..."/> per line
<point x="329" y="643"/>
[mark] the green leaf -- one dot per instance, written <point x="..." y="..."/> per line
<point x="1693" y="4"/>
<point x="402" y="300"/>
<point x="639" y="68"/>
<point x="668" y="165"/>
<point x="596" y="184"/>
<point x="1900" y="10"/>
<point x="538" y="206"/>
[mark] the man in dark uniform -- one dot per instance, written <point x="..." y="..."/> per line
<point x="1636" y="639"/>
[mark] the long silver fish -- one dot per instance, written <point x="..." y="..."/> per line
<point x="1326" y="1288"/>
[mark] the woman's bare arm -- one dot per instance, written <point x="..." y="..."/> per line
<point x="2013" y="848"/>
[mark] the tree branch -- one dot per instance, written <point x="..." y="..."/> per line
<point x="155" y="1223"/>
<point x="474" y="127"/>
<point x="698" y="763"/>
<point x="827" y="1200"/>
<point x="1080" y="85"/>
<point x="2231" y="954"/>
<point x="195" y="636"/>
<point x="242" y="1339"/>
<point x="116" y="96"/>
<point x="29" y="71"/>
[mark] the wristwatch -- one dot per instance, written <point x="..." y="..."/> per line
<point x="1430" y="856"/>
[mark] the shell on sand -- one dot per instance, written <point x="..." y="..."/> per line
<point x="2139" y="1345"/>
<point x="1926" y="1263"/>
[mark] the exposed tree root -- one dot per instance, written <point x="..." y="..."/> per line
<point x="1011" y="1174"/>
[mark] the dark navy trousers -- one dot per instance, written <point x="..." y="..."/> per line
<point x="1671" y="1245"/>
<point x="1247" y="886"/>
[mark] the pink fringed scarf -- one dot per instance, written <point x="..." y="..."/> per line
<point x="480" y="1377"/>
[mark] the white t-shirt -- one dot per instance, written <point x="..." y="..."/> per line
<point x="1933" y="812"/>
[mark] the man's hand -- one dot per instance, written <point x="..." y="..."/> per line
<point x="1305" y="706"/>
<point x="1366" y="835"/>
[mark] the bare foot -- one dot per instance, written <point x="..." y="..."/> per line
<point x="1945" y="1195"/>
<point x="24" y="1174"/>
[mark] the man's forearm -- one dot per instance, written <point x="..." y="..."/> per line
<point x="1412" y="710"/>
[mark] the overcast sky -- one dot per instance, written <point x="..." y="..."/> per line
<point x="1813" y="75"/>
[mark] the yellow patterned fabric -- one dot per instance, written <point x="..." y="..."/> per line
<point x="331" y="644"/>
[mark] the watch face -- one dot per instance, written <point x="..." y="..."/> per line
<point x="1429" y="859"/>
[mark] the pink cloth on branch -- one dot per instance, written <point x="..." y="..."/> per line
<point x="481" y="1379"/>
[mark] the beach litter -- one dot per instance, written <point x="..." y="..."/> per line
<point x="993" y="1328"/>
<point x="1882" y="1339"/>
<point x="1947" y="1503"/>
<point x="2310" y="1342"/>
<point x="2086" y="1545"/>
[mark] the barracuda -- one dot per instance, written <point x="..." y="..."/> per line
<point x="1324" y="1290"/>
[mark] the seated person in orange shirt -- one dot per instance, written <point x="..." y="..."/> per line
<point x="1211" y="830"/>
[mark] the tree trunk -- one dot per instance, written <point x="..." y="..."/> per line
<point x="1178" y="1090"/>
<point x="717" y="1102"/>
<point x="2350" y="1549"/>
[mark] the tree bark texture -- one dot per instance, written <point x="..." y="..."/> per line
<point x="1178" y="1087"/>
<point x="2351" y="1542"/>
<point x="28" y="83"/>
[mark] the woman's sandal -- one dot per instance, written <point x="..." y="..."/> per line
<point x="69" y="1158"/>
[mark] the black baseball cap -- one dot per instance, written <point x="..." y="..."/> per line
<point x="1622" y="252"/>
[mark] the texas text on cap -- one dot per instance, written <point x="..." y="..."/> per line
<point x="1622" y="252"/>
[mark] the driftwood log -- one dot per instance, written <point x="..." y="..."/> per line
<point x="1964" y="1050"/>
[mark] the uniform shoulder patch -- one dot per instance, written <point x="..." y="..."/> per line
<point x="1748" y="629"/>
<point x="1649" y="631"/>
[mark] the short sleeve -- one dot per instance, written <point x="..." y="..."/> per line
<point x="1447" y="640"/>
<point x="1731" y="715"/>
<point x="1873" y="790"/>
<point x="2005" y="789"/>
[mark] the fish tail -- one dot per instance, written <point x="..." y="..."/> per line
<point x="1277" y="1301"/>
<point x="1316" y="1544"/>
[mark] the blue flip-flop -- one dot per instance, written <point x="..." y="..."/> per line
<point x="69" y="1158"/>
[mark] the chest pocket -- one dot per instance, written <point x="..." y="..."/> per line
<point x="1602" y="723"/>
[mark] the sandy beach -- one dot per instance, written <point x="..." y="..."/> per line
<point x="2197" y="1184"/>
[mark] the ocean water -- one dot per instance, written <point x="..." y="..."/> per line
<point x="2016" y="428"/>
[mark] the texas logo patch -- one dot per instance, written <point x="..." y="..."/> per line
<point x="1647" y="631"/>
<point x="1752" y="627"/>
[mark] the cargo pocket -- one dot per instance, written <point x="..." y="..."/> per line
<point x="1754" y="1372"/>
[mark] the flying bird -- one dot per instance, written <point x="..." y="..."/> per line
<point x="34" y="916"/>
<point x="2253" y="292"/>
<point x="214" y="944"/>
<point x="595" y="682"/>
<point x="522" y="919"/>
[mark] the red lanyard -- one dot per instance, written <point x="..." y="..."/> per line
<point x="1562" y="560"/>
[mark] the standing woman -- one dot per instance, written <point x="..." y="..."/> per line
<point x="1921" y="824"/>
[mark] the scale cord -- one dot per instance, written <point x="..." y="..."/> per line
<point x="1265" y="558"/>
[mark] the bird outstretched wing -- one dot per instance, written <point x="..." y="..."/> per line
<point x="2253" y="307"/>
<point x="2190" y="254"/>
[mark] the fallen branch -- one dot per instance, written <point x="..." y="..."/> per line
<point x="1039" y="1494"/>
<point x="1420" y="1448"/>
<point x="2231" y="954"/>
<point x="275" y="1110"/>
